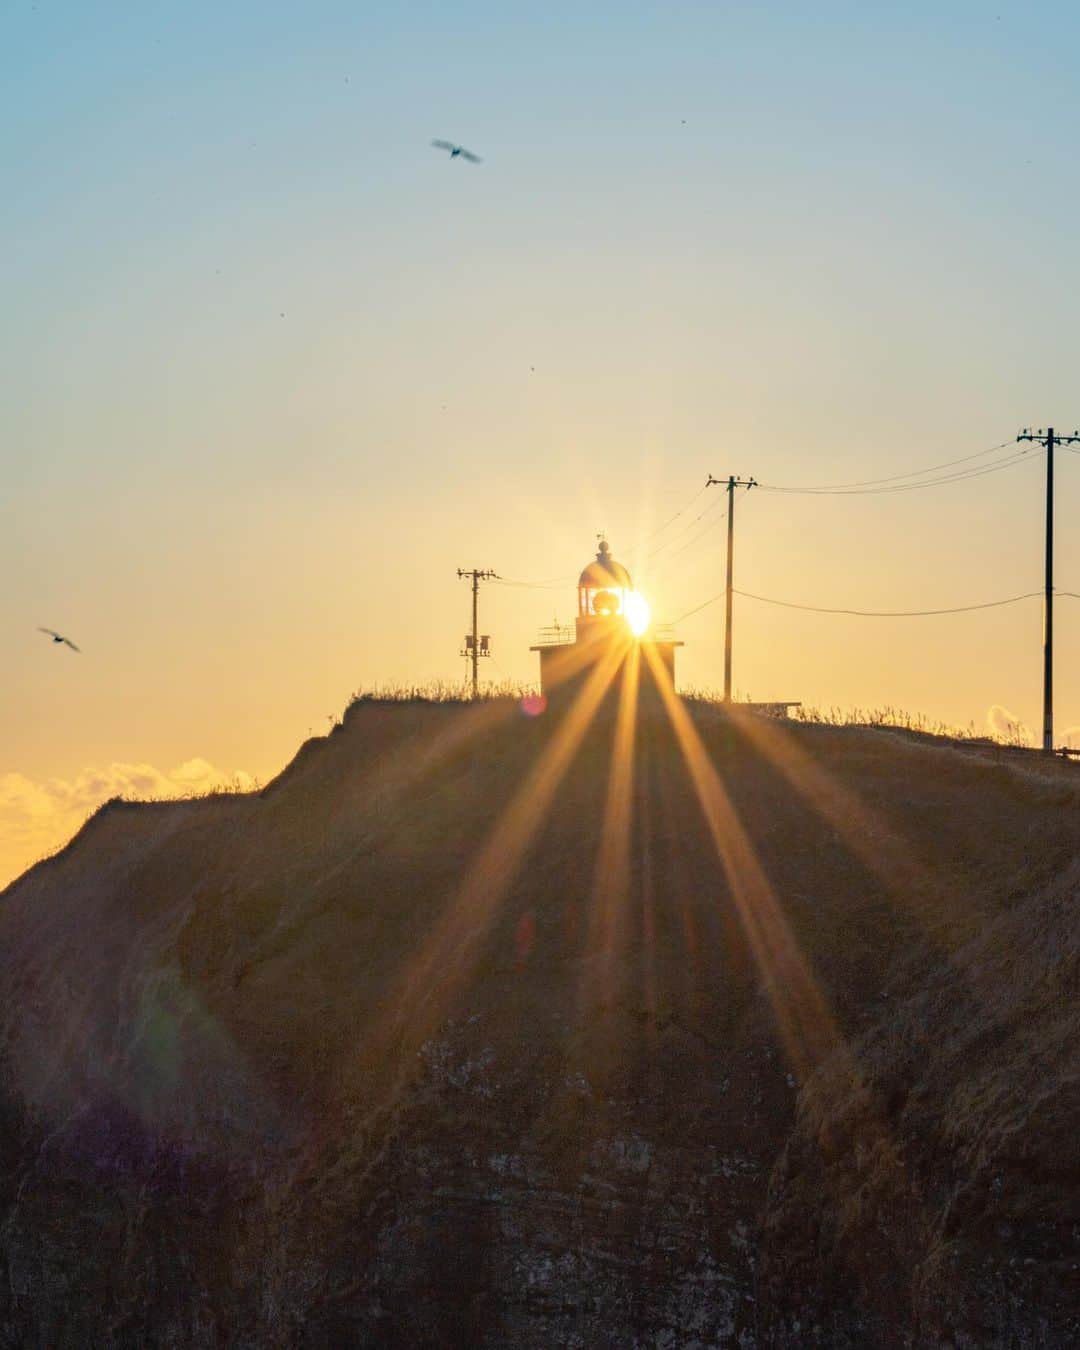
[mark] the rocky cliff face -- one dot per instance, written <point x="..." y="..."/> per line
<point x="464" y="1033"/>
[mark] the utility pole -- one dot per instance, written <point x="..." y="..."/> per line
<point x="731" y="484"/>
<point x="476" y="644"/>
<point x="1049" y="439"/>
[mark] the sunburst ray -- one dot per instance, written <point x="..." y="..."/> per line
<point x="806" y="1024"/>
<point x="925" y="895"/>
<point x="607" y="921"/>
<point x="426" y="990"/>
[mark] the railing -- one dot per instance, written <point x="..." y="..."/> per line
<point x="562" y="634"/>
<point x="556" y="635"/>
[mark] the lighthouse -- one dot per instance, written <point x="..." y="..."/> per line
<point x="611" y="619"/>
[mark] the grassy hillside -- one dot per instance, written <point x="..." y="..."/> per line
<point x="470" y="1029"/>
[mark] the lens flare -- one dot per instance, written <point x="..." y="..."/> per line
<point x="637" y="612"/>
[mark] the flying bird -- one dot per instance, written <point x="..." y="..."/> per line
<point x="59" y="637"/>
<point x="456" y="150"/>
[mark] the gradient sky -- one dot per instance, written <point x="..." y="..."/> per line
<point x="274" y="368"/>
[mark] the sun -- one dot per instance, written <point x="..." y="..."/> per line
<point x="637" y="612"/>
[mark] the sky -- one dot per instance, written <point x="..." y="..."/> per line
<point x="275" y="368"/>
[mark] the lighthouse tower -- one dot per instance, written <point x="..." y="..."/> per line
<point x="611" y="619"/>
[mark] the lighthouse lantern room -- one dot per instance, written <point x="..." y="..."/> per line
<point x="604" y="588"/>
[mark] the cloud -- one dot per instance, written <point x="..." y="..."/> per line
<point x="1006" y="726"/>
<point x="39" y="816"/>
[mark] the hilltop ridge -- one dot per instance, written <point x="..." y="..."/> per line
<point x="704" y="1031"/>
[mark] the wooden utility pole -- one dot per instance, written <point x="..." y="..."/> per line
<point x="476" y="645"/>
<point x="731" y="483"/>
<point x="1049" y="439"/>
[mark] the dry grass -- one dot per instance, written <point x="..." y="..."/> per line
<point x="701" y="697"/>
<point x="441" y="691"/>
<point x="888" y="716"/>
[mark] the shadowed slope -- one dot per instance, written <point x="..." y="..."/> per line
<point x="462" y="1032"/>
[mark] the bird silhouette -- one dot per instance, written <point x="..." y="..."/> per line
<point x="456" y="150"/>
<point x="59" y="637"/>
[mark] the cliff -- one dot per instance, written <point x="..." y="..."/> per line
<point x="476" y="1029"/>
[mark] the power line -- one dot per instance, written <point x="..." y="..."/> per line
<point x="560" y="583"/>
<point x="960" y="477"/>
<point x="912" y="473"/>
<point x="860" y="487"/>
<point x="555" y="584"/>
<point x="700" y="535"/>
<point x="868" y="613"/>
<point x="892" y="613"/>
<point x="506" y="678"/>
<point x="691" y="542"/>
<point x="676" y="537"/>
<point x="672" y="519"/>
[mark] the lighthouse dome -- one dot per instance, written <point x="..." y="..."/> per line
<point x="605" y="571"/>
